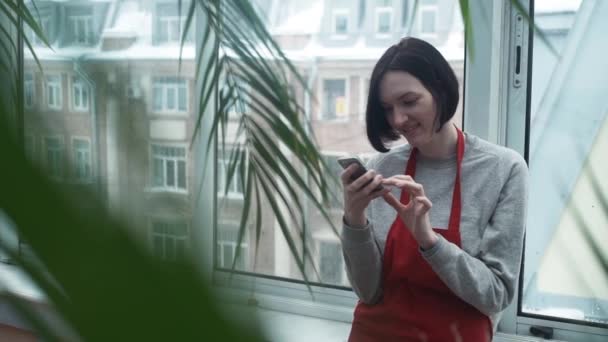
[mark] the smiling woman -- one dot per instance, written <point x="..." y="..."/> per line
<point x="446" y="234"/>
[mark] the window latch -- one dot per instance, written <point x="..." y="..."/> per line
<point x="544" y="332"/>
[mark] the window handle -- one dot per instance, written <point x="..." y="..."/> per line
<point x="544" y="332"/>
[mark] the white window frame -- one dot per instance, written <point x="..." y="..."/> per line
<point x="379" y="12"/>
<point x="84" y="22"/>
<point x="58" y="92"/>
<point x="164" y="84"/>
<point x="74" y="156"/>
<point x="167" y="236"/>
<point x="221" y="244"/>
<point x="321" y="97"/>
<point x="44" y="25"/>
<point x="165" y="22"/>
<point x="62" y="157"/>
<point x="165" y="159"/>
<point x="427" y="8"/>
<point x="80" y="86"/>
<point x="222" y="168"/>
<point x="29" y="85"/>
<point x="335" y="13"/>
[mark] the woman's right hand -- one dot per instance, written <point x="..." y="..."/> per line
<point x="359" y="193"/>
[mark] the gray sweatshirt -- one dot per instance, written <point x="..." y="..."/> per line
<point x="484" y="272"/>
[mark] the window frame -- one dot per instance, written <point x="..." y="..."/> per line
<point x="434" y="8"/>
<point x="74" y="159"/>
<point x="165" y="188"/>
<point x="168" y="220"/>
<point x="86" y="21"/>
<point x="165" y="83"/>
<point x="62" y="156"/>
<point x="220" y="244"/>
<point x="334" y="15"/>
<point x="321" y="96"/>
<point x="232" y="195"/>
<point x="79" y="84"/>
<point x="379" y="11"/>
<point x="58" y="93"/>
<point x="168" y="20"/>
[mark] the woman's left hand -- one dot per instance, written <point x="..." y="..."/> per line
<point x="415" y="214"/>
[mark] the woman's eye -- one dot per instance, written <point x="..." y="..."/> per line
<point x="409" y="103"/>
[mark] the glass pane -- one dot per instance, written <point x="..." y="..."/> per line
<point x="158" y="98"/>
<point x="171" y="105"/>
<point x="170" y="172"/>
<point x="384" y="22"/>
<point x="181" y="174"/>
<point x="183" y="99"/>
<point x="159" y="174"/>
<point x="565" y="273"/>
<point x="340" y="85"/>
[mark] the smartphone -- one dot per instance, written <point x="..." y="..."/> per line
<point x="360" y="171"/>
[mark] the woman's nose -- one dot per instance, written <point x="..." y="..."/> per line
<point x="400" y="117"/>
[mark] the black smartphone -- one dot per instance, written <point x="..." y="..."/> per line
<point x="360" y="171"/>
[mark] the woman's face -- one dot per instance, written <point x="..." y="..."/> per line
<point x="409" y="107"/>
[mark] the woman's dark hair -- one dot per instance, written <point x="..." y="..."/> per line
<point x="423" y="61"/>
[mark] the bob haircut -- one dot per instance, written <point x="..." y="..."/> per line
<point x="423" y="61"/>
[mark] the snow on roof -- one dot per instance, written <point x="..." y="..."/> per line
<point x="556" y="5"/>
<point x="307" y="21"/>
<point x="129" y="22"/>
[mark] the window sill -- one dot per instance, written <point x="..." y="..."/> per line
<point x="166" y="190"/>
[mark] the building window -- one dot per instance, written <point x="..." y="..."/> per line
<point x="81" y="149"/>
<point x="340" y="22"/>
<point x="81" y="27"/>
<point x="54" y="157"/>
<point x="239" y="102"/>
<point x="227" y="244"/>
<point x="53" y="92"/>
<point x="170" y="95"/>
<point x="384" y="19"/>
<point x="28" y="92"/>
<point x="80" y="95"/>
<point x="170" y="29"/>
<point x="235" y="188"/>
<point x="169" y="239"/>
<point x="331" y="264"/>
<point x="428" y="20"/>
<point x="334" y="99"/>
<point x="169" y="167"/>
<point x="44" y="24"/>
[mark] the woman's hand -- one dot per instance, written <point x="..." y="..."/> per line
<point x="415" y="214"/>
<point x="359" y="193"/>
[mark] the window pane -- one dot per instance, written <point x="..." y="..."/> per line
<point x="340" y="88"/>
<point x="565" y="251"/>
<point x="170" y="173"/>
<point x="171" y="105"/>
<point x="181" y="174"/>
<point x="159" y="174"/>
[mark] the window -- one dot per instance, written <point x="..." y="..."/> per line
<point x="384" y="19"/>
<point x="170" y="28"/>
<point x="29" y="90"/>
<point x="169" y="239"/>
<point x="81" y="149"/>
<point x="235" y="188"/>
<point x="340" y="22"/>
<point x="169" y="167"/>
<point x="80" y="95"/>
<point x="81" y="27"/>
<point x="564" y="271"/>
<point x="241" y="100"/>
<point x="54" y="157"/>
<point x="170" y="95"/>
<point x="53" y="92"/>
<point x="331" y="262"/>
<point x="334" y="99"/>
<point x="427" y="19"/>
<point x="227" y="244"/>
<point x="44" y="24"/>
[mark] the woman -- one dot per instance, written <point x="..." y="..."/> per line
<point x="435" y="254"/>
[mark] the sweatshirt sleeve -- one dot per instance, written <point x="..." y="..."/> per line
<point x="488" y="280"/>
<point x="363" y="258"/>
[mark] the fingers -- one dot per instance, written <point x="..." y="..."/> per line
<point x="347" y="173"/>
<point x="405" y="184"/>
<point x="362" y="181"/>
<point x="393" y="201"/>
<point x="424" y="201"/>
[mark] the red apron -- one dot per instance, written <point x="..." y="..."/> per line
<point x="416" y="305"/>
